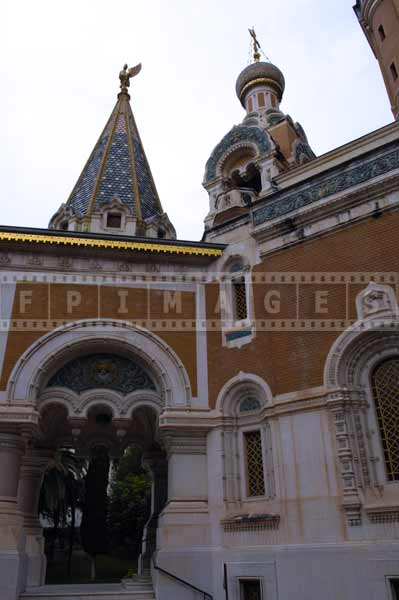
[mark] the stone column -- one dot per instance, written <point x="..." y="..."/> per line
<point x="12" y="536"/>
<point x="33" y="467"/>
<point x="156" y="464"/>
<point x="185" y="521"/>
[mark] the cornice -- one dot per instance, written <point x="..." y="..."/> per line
<point x="58" y="240"/>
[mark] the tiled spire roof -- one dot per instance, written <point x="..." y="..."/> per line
<point x="117" y="168"/>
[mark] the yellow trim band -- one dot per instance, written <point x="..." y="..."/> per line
<point x="120" y="245"/>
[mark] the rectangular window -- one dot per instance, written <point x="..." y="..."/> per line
<point x="250" y="589"/>
<point x="114" y="220"/>
<point x="254" y="463"/>
<point x="240" y="299"/>
<point x="395" y="589"/>
<point x="261" y="100"/>
<point x="394" y="71"/>
<point x="250" y="105"/>
<point x="381" y="32"/>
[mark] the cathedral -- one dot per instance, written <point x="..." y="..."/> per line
<point x="257" y="369"/>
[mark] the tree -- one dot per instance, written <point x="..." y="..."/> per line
<point x="93" y="528"/>
<point x="130" y="502"/>
<point x="61" y="494"/>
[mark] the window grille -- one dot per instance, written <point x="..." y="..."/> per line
<point x="254" y="459"/>
<point x="240" y="299"/>
<point x="250" y="589"/>
<point x="385" y="381"/>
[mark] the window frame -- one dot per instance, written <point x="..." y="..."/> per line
<point x="376" y="447"/>
<point x="243" y="580"/>
<point x="112" y="214"/>
<point x="374" y="368"/>
<point x="230" y="324"/>
<point x="244" y="465"/>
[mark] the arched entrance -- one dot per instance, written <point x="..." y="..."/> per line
<point x="95" y="384"/>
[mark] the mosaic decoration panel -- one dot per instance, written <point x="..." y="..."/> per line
<point x="238" y="134"/>
<point x="355" y="173"/>
<point x="102" y="371"/>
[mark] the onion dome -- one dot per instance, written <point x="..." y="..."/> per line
<point x="260" y="74"/>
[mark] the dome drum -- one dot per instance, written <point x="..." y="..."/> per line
<point x="260" y="74"/>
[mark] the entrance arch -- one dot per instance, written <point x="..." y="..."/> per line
<point x="53" y="350"/>
<point x="70" y="416"/>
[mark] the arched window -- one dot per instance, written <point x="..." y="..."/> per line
<point x="385" y="383"/>
<point x="239" y="291"/>
<point x="249" y="404"/>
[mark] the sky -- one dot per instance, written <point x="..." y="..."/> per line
<point x="59" y="66"/>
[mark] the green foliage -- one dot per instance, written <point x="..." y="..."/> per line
<point x="130" y="499"/>
<point x="62" y="487"/>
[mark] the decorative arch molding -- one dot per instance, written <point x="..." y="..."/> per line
<point x="121" y="407"/>
<point x="241" y="385"/>
<point x="45" y="356"/>
<point x="238" y="137"/>
<point x="350" y="362"/>
<point x="365" y="343"/>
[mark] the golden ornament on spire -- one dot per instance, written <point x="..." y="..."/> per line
<point x="126" y="75"/>
<point x="256" y="44"/>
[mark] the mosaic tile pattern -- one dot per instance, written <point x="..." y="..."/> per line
<point x="112" y="161"/>
<point x="340" y="179"/>
<point x="83" y="190"/>
<point x="116" y="180"/>
<point x="238" y="134"/>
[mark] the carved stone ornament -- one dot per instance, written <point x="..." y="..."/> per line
<point x="4" y="259"/>
<point x="374" y="299"/>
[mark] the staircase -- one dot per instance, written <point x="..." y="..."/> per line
<point x="134" y="589"/>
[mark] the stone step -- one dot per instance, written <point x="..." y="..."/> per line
<point x="138" y="590"/>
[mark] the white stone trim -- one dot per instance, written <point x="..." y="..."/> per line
<point x="7" y="293"/>
<point x="231" y="392"/>
<point x="37" y="363"/>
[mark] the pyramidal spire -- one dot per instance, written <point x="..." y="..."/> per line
<point x="116" y="192"/>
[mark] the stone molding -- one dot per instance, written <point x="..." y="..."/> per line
<point x="122" y="407"/>
<point x="38" y="363"/>
<point x="379" y="515"/>
<point x="250" y="523"/>
<point x="360" y="171"/>
<point x="184" y="441"/>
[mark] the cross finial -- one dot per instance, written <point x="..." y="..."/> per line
<point x="126" y="75"/>
<point x="256" y="44"/>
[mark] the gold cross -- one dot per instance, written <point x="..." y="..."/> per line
<point x="255" y="43"/>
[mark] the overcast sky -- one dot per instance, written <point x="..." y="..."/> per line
<point x="59" y="65"/>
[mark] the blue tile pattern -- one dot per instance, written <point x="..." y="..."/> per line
<point x="117" y="181"/>
<point x="117" y="170"/>
<point x="148" y="196"/>
<point x="80" y="197"/>
<point x="338" y="180"/>
<point x="239" y="134"/>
